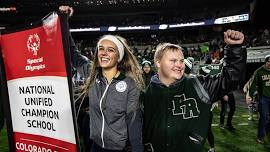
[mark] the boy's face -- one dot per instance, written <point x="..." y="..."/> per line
<point x="171" y="66"/>
<point x="267" y="64"/>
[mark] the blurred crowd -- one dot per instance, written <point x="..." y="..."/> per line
<point x="201" y="45"/>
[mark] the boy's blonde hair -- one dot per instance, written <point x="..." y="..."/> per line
<point x="163" y="47"/>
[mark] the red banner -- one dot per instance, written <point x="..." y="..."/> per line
<point x="38" y="89"/>
<point x="34" y="52"/>
<point x="31" y="143"/>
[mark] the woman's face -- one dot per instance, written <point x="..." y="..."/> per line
<point x="107" y="55"/>
<point x="146" y="68"/>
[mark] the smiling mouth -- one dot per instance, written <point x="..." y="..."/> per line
<point x="178" y="71"/>
<point x="104" y="59"/>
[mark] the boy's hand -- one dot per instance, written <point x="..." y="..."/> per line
<point x="232" y="37"/>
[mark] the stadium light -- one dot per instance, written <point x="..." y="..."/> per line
<point x="222" y="20"/>
<point x="163" y="26"/>
<point x="124" y="28"/>
<point x="231" y="19"/>
<point x="85" y="30"/>
<point x="112" y="28"/>
<point x="186" y="24"/>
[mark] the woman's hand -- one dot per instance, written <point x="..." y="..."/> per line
<point x="66" y="10"/>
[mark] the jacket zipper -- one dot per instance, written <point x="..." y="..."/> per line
<point x="103" y="118"/>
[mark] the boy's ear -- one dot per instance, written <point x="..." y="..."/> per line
<point x="158" y="64"/>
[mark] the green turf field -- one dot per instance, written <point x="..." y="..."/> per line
<point x="3" y="141"/>
<point x="243" y="139"/>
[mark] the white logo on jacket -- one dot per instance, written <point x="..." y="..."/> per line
<point x="121" y="86"/>
<point x="185" y="107"/>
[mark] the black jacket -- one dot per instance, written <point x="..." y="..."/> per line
<point x="176" y="117"/>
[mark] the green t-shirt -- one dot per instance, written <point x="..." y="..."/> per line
<point x="261" y="82"/>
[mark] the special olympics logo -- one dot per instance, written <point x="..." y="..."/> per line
<point x="33" y="43"/>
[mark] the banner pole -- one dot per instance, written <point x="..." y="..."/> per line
<point x="6" y="106"/>
<point x="65" y="38"/>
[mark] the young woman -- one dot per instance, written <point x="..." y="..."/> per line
<point x="113" y="87"/>
<point x="147" y="72"/>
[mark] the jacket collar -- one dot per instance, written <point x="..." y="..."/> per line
<point x="155" y="80"/>
<point x="121" y="76"/>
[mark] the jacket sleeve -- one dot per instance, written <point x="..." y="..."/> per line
<point x="232" y="73"/>
<point x="80" y="62"/>
<point x="134" y="119"/>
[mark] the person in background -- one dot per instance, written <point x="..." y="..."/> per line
<point x="147" y="72"/>
<point x="261" y="83"/>
<point x="251" y="106"/>
<point x="228" y="99"/>
<point x="189" y="66"/>
<point x="210" y="135"/>
<point x="113" y="86"/>
<point x="177" y="106"/>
